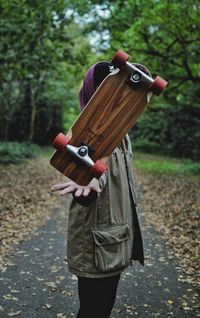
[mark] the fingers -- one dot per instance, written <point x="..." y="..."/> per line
<point x="61" y="186"/>
<point x="78" y="192"/>
<point x="68" y="189"/>
<point x="58" y="186"/>
<point x="94" y="185"/>
<point x="72" y="187"/>
<point x="86" y="191"/>
<point x="82" y="191"/>
<point x="96" y="189"/>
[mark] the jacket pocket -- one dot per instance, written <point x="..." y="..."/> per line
<point x="111" y="251"/>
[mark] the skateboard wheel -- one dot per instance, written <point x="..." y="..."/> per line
<point x="98" y="169"/>
<point x="60" y="142"/>
<point x="158" y="85"/>
<point x="120" y="58"/>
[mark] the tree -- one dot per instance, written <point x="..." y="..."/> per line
<point x="164" y="36"/>
<point x="38" y="41"/>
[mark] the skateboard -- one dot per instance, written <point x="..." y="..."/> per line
<point x="111" y="112"/>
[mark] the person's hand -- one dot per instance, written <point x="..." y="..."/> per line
<point x="77" y="190"/>
<point x="84" y="195"/>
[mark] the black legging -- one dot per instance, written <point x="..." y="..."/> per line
<point x="97" y="296"/>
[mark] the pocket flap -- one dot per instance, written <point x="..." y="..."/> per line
<point x="112" y="235"/>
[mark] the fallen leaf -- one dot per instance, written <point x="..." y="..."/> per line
<point x="12" y="314"/>
<point x="10" y="297"/>
<point x="39" y="279"/>
<point x="61" y="315"/>
<point x="14" y="291"/>
<point x="48" y="306"/>
<point x="51" y="284"/>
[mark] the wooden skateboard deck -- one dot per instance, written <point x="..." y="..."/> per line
<point x="109" y="115"/>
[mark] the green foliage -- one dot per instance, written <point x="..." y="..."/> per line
<point x="15" y="152"/>
<point x="145" y="145"/>
<point x="170" y="131"/>
<point x="42" y="54"/>
<point x="46" y="47"/>
<point x="165" y="165"/>
<point x="164" y="36"/>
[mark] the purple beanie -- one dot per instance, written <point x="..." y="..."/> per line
<point x="88" y="87"/>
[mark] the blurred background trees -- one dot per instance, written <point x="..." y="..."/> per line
<point x="41" y="57"/>
<point x="46" y="47"/>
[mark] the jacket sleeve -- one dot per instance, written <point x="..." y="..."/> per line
<point x="103" y="180"/>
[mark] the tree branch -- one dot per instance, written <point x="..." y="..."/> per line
<point x="195" y="79"/>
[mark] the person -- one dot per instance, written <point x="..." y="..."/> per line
<point x="103" y="230"/>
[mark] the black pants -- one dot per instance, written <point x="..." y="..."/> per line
<point x="97" y="296"/>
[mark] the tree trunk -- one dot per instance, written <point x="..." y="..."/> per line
<point x="32" y="115"/>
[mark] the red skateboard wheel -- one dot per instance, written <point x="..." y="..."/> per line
<point x="120" y="58"/>
<point x="158" y="85"/>
<point x="98" y="169"/>
<point x="60" y="142"/>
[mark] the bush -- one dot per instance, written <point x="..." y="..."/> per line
<point x="171" y="131"/>
<point x="145" y="145"/>
<point x="15" y="152"/>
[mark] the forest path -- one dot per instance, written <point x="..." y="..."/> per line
<point x="35" y="281"/>
<point x="38" y="283"/>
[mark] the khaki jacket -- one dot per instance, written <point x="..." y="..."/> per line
<point x="104" y="237"/>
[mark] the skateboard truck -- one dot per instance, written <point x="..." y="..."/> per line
<point x="155" y="86"/>
<point x="81" y="153"/>
<point x="61" y="143"/>
<point x="138" y="74"/>
<point x="135" y="77"/>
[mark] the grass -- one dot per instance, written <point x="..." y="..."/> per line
<point x="164" y="164"/>
<point x="15" y="152"/>
<point x="47" y="151"/>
